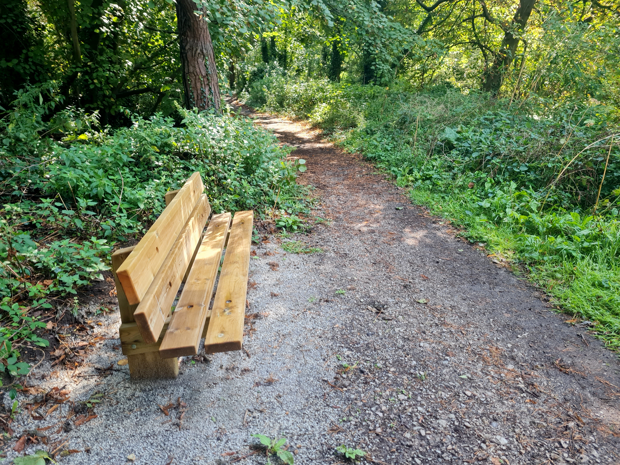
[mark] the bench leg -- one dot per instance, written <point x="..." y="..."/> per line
<point x="151" y="365"/>
<point x="147" y="365"/>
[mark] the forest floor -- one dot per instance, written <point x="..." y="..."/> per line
<point x="397" y="338"/>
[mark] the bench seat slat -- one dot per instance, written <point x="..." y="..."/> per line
<point x="140" y="268"/>
<point x="185" y="330"/>
<point x="156" y="305"/>
<point x="225" y="331"/>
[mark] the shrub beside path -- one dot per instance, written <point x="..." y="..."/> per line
<point x="398" y="339"/>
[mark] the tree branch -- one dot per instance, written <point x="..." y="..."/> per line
<point x="431" y="8"/>
<point x="430" y="15"/>
<point x="478" y="42"/>
<point x="486" y="13"/>
<point x="606" y="7"/>
<point x="160" y="30"/>
<point x="129" y="93"/>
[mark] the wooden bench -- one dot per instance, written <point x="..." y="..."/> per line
<point x="175" y="250"/>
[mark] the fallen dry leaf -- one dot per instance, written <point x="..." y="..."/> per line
<point x="19" y="445"/>
<point x="166" y="408"/>
<point x="273" y="265"/>
<point x="52" y="409"/>
<point x="122" y="362"/>
<point x="84" y="419"/>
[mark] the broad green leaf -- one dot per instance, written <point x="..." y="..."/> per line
<point x="286" y="457"/>
<point x="265" y="441"/>
<point x="279" y="444"/>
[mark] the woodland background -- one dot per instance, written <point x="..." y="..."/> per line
<point x="502" y="116"/>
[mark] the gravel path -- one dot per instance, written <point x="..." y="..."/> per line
<point x="398" y="339"/>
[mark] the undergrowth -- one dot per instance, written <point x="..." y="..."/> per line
<point x="535" y="181"/>
<point x="70" y="190"/>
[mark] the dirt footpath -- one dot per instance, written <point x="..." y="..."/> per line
<point x="398" y="339"/>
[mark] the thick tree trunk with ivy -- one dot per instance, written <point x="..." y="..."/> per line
<point x="503" y="59"/>
<point x="200" y="82"/>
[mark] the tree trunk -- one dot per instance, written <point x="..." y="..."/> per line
<point x="77" y="53"/>
<point x="503" y="59"/>
<point x="232" y="75"/>
<point x="335" y="63"/>
<point x="200" y="82"/>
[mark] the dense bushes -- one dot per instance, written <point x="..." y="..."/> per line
<point x="69" y="190"/>
<point x="522" y="177"/>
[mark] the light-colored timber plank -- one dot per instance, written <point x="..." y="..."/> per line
<point x="151" y="365"/>
<point x="140" y="268"/>
<point x="155" y="307"/>
<point x="132" y="342"/>
<point x="206" y="328"/>
<point x="191" y="262"/>
<point x="141" y="363"/>
<point x="169" y="196"/>
<point x="140" y="347"/>
<point x="185" y="330"/>
<point x="124" y="306"/>
<point x="225" y="330"/>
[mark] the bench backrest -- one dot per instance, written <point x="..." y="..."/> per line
<point x="153" y="272"/>
<point x="139" y="269"/>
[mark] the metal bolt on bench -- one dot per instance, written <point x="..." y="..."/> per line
<point x="175" y="250"/>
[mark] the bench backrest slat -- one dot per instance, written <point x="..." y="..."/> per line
<point x="139" y="269"/>
<point x="155" y="307"/>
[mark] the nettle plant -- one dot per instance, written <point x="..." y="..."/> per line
<point x="18" y="329"/>
<point x="275" y="447"/>
<point x="350" y="453"/>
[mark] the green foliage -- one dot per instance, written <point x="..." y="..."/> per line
<point x="350" y="453"/>
<point x="298" y="247"/>
<point x="69" y="191"/>
<point x="38" y="458"/>
<point x="17" y="328"/>
<point x="64" y="265"/>
<point x="518" y="181"/>
<point x="275" y="447"/>
<point x="301" y="165"/>
<point x="288" y="222"/>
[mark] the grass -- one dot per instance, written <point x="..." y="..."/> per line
<point x="586" y="287"/>
<point x="299" y="247"/>
<point x="529" y="187"/>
